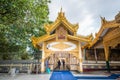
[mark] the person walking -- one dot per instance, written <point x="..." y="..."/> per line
<point x="63" y="62"/>
<point x="59" y="64"/>
<point x="47" y="66"/>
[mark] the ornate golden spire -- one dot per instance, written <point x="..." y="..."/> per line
<point x="61" y="14"/>
<point x="61" y="9"/>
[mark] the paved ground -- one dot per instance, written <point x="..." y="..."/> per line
<point x="25" y="76"/>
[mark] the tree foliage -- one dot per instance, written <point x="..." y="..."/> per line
<point x="19" y="20"/>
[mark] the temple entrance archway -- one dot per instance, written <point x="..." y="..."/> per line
<point x="71" y="61"/>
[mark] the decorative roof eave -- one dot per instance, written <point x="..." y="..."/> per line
<point x="86" y="37"/>
<point x="85" y="46"/>
<point x="36" y="41"/>
<point x="51" y="27"/>
<point x="104" y="25"/>
<point x="79" y="38"/>
<point x="61" y="19"/>
<point x="111" y="24"/>
<point x="94" y="41"/>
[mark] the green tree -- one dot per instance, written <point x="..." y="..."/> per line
<point x="19" y="20"/>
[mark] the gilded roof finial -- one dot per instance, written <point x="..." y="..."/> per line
<point x="61" y="9"/>
<point x="103" y="20"/>
<point x="61" y="14"/>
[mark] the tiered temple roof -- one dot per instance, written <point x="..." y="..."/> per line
<point x="61" y="19"/>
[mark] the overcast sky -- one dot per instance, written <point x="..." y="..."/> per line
<point x="85" y="12"/>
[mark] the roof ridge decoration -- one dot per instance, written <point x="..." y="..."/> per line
<point x="108" y="24"/>
<point x="117" y="18"/>
<point x="103" y="20"/>
<point x="61" y="19"/>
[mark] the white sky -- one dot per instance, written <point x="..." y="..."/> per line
<point x="85" y="12"/>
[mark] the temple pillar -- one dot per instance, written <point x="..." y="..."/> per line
<point x="106" y="48"/>
<point x="95" y="55"/>
<point x="84" y="51"/>
<point x="80" y="59"/>
<point x="43" y="60"/>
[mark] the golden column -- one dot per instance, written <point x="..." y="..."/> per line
<point x="80" y="59"/>
<point x="43" y="58"/>
<point x="106" y="48"/>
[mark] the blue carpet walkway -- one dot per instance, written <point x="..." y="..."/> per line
<point x="62" y="75"/>
<point x="111" y="77"/>
<point x="67" y="75"/>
